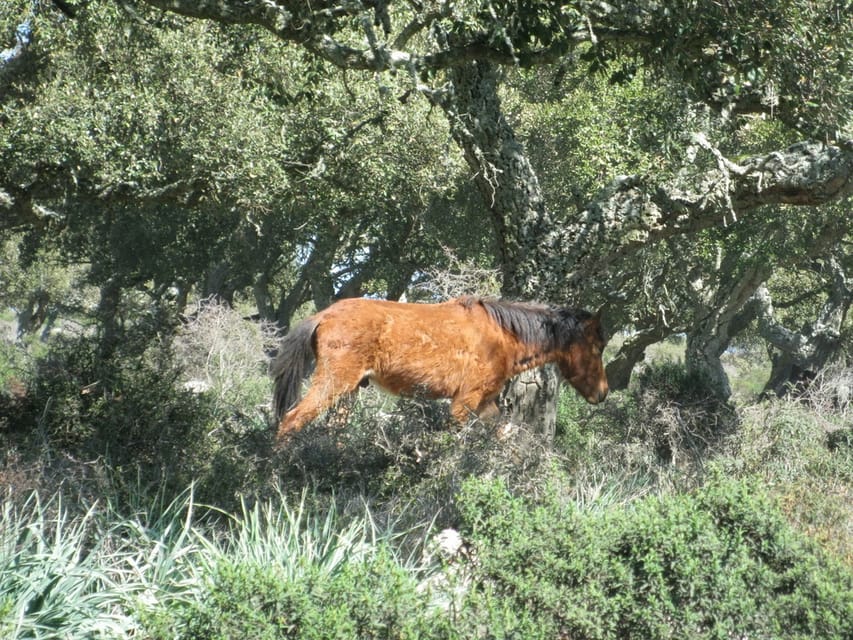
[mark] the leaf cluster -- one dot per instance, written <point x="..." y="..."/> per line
<point x="716" y="562"/>
<point x="156" y="149"/>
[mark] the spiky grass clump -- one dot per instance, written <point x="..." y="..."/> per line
<point x="71" y="574"/>
<point x="280" y="571"/>
<point x="181" y="571"/>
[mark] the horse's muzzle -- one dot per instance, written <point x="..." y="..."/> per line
<point x="598" y="396"/>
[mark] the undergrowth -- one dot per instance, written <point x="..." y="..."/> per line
<point x="716" y="562"/>
<point x="661" y="513"/>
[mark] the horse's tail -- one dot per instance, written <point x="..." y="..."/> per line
<point x="293" y="363"/>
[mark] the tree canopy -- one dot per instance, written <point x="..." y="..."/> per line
<point x="662" y="161"/>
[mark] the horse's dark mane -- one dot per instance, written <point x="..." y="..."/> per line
<point x="534" y="323"/>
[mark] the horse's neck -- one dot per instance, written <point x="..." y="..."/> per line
<point x="529" y="357"/>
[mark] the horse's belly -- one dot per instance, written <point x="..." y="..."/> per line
<point x="428" y="360"/>
<point x="402" y="385"/>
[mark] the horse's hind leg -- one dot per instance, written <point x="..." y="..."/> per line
<point x="324" y="392"/>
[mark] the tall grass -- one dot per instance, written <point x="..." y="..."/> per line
<point x="61" y="576"/>
<point x="66" y="573"/>
<point x="298" y="539"/>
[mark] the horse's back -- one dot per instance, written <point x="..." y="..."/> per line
<point x="409" y="347"/>
<point x="359" y="322"/>
<point x="364" y="315"/>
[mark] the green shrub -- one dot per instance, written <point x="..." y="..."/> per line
<point x="718" y="562"/>
<point x="666" y="426"/>
<point x="124" y="407"/>
<point x="127" y="410"/>
<point x="807" y="460"/>
<point x="286" y="572"/>
<point x="373" y="598"/>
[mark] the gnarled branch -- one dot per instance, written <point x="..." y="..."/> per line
<point x="633" y="212"/>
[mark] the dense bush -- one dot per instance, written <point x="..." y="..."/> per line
<point x="718" y="562"/>
<point x="667" y="423"/>
<point x="374" y="598"/>
<point x="127" y="415"/>
<point x="286" y="571"/>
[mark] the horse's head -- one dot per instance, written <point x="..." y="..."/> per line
<point x="581" y="362"/>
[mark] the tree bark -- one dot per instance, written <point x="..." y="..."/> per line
<point x="502" y="173"/>
<point x="510" y="190"/>
<point x="632" y="351"/>
<point x="717" y="320"/>
<point x="108" y="318"/>
<point x="803" y="354"/>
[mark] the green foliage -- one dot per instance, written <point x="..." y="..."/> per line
<point x="37" y="285"/>
<point x="667" y="423"/>
<point x="712" y="563"/>
<point x="587" y="131"/>
<point x="284" y="572"/>
<point x="161" y="573"/>
<point x="165" y="151"/>
<point x="129" y="409"/>
<point x="375" y="598"/>
<point x="59" y="576"/>
<point x="14" y="368"/>
<point x="126" y="403"/>
<point x="672" y="380"/>
<point x="802" y="449"/>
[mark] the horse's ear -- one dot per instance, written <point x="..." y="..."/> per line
<point x="597" y="320"/>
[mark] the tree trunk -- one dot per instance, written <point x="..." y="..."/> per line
<point x="217" y="283"/>
<point x="108" y="318"/>
<point x="632" y="351"/>
<point x="718" y="317"/>
<point x="511" y="192"/>
<point x="802" y="355"/>
<point x="531" y="399"/>
<point x="34" y="313"/>
<point x="705" y="345"/>
<point x="503" y="175"/>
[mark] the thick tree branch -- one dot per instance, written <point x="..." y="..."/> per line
<point x="717" y="317"/>
<point x="31" y="205"/>
<point x="632" y="351"/>
<point x="186" y="191"/>
<point x="313" y="25"/>
<point x="801" y="345"/>
<point x="632" y="212"/>
<point x="774" y="332"/>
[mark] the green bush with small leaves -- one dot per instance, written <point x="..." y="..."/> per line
<point x="718" y="562"/>
<point x="128" y="409"/>
<point x="284" y="572"/>
<point x="374" y="598"/>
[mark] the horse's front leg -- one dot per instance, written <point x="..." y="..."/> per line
<point x="474" y="405"/>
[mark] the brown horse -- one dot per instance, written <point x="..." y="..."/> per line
<point x="464" y="349"/>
